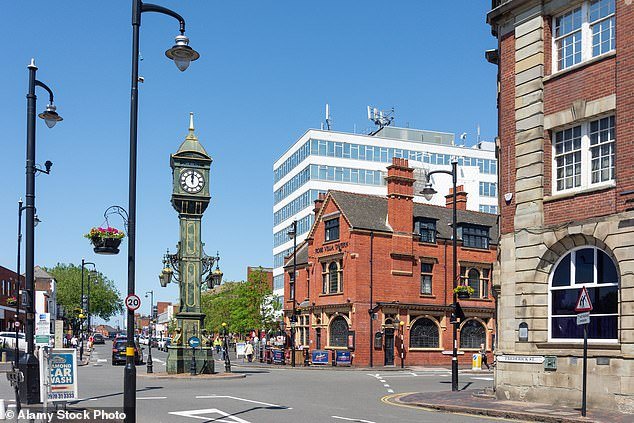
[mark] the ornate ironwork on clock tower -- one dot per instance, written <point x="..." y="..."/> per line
<point x="190" y="197"/>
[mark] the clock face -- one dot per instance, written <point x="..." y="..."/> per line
<point x="192" y="181"/>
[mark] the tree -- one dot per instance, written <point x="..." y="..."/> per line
<point x="105" y="299"/>
<point x="242" y="305"/>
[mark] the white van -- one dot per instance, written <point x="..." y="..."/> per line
<point x="7" y="340"/>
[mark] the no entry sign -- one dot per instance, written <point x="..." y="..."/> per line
<point x="132" y="302"/>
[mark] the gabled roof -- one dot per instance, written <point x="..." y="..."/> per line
<point x="370" y="212"/>
<point x="302" y="256"/>
<point x="39" y="273"/>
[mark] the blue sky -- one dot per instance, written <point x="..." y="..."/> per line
<point x="266" y="70"/>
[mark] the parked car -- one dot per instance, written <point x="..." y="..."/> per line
<point x="163" y="343"/>
<point x="118" y="352"/>
<point x="7" y="340"/>
<point x="98" y="339"/>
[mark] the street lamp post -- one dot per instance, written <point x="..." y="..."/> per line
<point x="182" y="55"/>
<point x="150" y="367"/>
<point x="84" y="306"/>
<point x="428" y="192"/>
<point x="227" y="359"/>
<point x="292" y="233"/>
<point x="29" y="365"/>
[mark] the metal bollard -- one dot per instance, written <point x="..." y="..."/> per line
<point x="3" y="414"/>
<point x="4" y="357"/>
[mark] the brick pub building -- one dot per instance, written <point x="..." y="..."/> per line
<point x="566" y="123"/>
<point x="9" y="290"/>
<point x="391" y="259"/>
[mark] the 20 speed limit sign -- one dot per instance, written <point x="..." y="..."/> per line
<point x="132" y="302"/>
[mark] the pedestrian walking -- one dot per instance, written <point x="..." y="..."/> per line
<point x="483" y="353"/>
<point x="248" y="351"/>
<point x="73" y="342"/>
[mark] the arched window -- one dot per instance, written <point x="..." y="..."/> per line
<point x="594" y="269"/>
<point x="332" y="277"/>
<point x="338" y="332"/>
<point x="472" y="334"/>
<point x="474" y="282"/>
<point x="424" y="334"/>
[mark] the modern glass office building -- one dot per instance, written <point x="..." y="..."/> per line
<point x="321" y="160"/>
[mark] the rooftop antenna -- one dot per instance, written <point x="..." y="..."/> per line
<point x="478" y="133"/>
<point x="380" y="118"/>
<point x="328" y="117"/>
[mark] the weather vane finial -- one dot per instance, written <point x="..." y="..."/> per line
<point x="191" y="121"/>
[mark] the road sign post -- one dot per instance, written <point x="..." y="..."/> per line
<point x="193" y="342"/>
<point x="583" y="308"/>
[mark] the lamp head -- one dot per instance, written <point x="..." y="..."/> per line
<point x="36" y="220"/>
<point x="215" y="279"/>
<point x="291" y="233"/>
<point x="50" y="115"/>
<point x="48" y="165"/>
<point x="428" y="192"/>
<point x="181" y="53"/>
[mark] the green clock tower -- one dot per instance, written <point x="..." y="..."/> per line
<point x="190" y="197"/>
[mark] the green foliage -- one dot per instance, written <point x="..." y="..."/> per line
<point x="242" y="305"/>
<point x="105" y="299"/>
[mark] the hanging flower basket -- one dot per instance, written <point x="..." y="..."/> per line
<point x="463" y="291"/>
<point x="105" y="240"/>
<point x="12" y="301"/>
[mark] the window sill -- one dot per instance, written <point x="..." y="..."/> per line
<point x="430" y="296"/>
<point x="578" y="66"/>
<point x="475" y="248"/>
<point x="414" y="349"/>
<point x="427" y="244"/>
<point x="488" y="300"/>
<point x="336" y="348"/>
<point x="331" y="294"/>
<point x="592" y="345"/>
<point x="332" y="241"/>
<point x="571" y="194"/>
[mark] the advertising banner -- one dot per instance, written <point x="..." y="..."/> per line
<point x="343" y="358"/>
<point x="278" y="356"/>
<point x="61" y="376"/>
<point x="241" y="349"/>
<point x="320" y="357"/>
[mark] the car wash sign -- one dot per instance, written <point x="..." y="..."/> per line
<point x="62" y="375"/>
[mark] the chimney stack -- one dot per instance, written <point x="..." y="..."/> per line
<point x="461" y="198"/>
<point x="319" y="202"/>
<point x="400" y="193"/>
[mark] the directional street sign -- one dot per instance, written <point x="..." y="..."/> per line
<point x="583" y="303"/>
<point x="132" y="302"/>
<point x="583" y="318"/>
<point x="194" y="342"/>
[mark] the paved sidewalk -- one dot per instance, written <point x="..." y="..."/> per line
<point x="478" y="403"/>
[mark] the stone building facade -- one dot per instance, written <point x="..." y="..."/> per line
<point x="566" y="117"/>
<point x="374" y="277"/>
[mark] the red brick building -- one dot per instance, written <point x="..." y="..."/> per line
<point x="376" y="268"/>
<point x="9" y="291"/>
<point x="566" y="121"/>
<point x="268" y="271"/>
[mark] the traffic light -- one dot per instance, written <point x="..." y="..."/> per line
<point x="154" y="312"/>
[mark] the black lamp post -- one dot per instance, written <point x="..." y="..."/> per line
<point x="226" y="342"/>
<point x="29" y="365"/>
<point x="150" y="366"/>
<point x="182" y="55"/>
<point x="428" y="193"/>
<point x="84" y="307"/>
<point x="292" y="233"/>
<point x="18" y="297"/>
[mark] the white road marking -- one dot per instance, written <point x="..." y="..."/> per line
<point x="352" y="420"/>
<point x="382" y="380"/>
<point x="150" y="398"/>
<point x="391" y="391"/>
<point x="196" y="414"/>
<point x="101" y="360"/>
<point x="481" y="378"/>
<point x="157" y="360"/>
<point x="386" y="385"/>
<point x="241" y="399"/>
